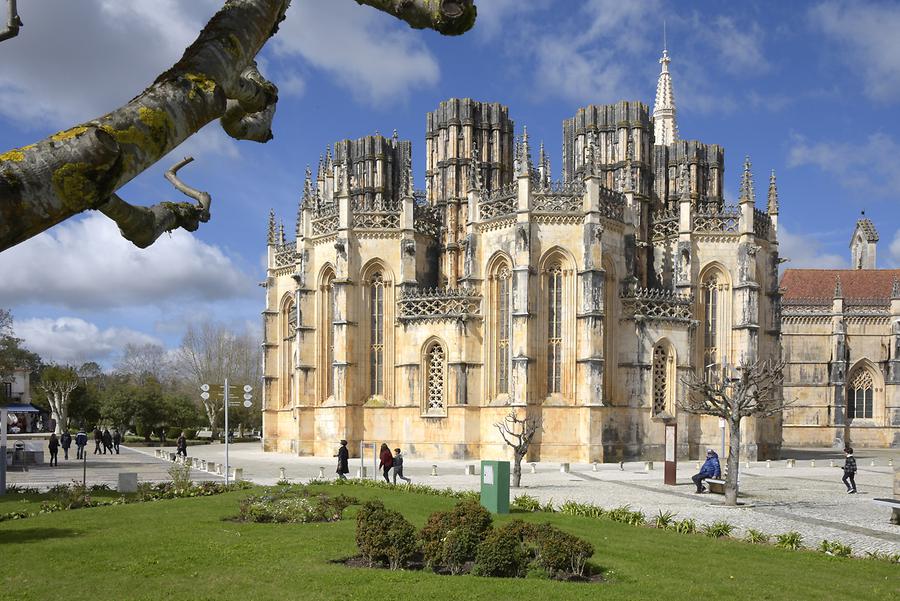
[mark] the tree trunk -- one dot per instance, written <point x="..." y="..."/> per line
<point x="734" y="462"/>
<point x="517" y="470"/>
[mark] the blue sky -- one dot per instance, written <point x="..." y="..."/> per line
<point x="810" y="89"/>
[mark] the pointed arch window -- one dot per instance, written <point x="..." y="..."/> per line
<point x="555" y="328"/>
<point x="435" y="379"/>
<point x="711" y="305"/>
<point x="288" y="333"/>
<point x="326" y="335"/>
<point x="376" y="335"/>
<point x="860" y="397"/>
<point x="504" y="280"/>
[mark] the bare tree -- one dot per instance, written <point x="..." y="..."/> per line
<point x="755" y="392"/>
<point x="58" y="382"/>
<point x="518" y="434"/>
<point x="209" y="353"/>
<point x="81" y="168"/>
<point x="142" y="360"/>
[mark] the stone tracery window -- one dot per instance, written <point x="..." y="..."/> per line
<point x="326" y="335"/>
<point x="435" y="379"/>
<point x="555" y="329"/>
<point x="502" y="326"/>
<point x="663" y="379"/>
<point x="860" y="396"/>
<point x="713" y="313"/>
<point x="288" y="333"/>
<point x="376" y="335"/>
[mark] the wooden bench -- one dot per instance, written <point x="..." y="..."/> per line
<point x="894" y="504"/>
<point x="715" y="485"/>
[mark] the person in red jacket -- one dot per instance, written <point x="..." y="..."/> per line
<point x="387" y="461"/>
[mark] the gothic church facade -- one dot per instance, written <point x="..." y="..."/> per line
<point x="422" y="318"/>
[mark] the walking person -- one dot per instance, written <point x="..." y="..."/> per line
<point x="386" y="461"/>
<point x="343" y="461"/>
<point x="398" y="467"/>
<point x="710" y="469"/>
<point x="849" y="471"/>
<point x="81" y="442"/>
<point x="107" y="441"/>
<point x="117" y="439"/>
<point x="181" y="445"/>
<point x="65" y="441"/>
<point x="54" y="450"/>
<point x="98" y="440"/>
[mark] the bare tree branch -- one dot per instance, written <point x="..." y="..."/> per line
<point x="13" y="22"/>
<point x="518" y="433"/>
<point x="449" y="17"/>
<point x="143" y="225"/>
<point x="248" y="115"/>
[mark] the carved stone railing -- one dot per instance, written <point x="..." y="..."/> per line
<point x="379" y="220"/>
<point x="427" y="220"/>
<point x="324" y="219"/>
<point x="664" y="224"/>
<point x="438" y="303"/>
<point x="499" y="203"/>
<point x="661" y="305"/>
<point x="726" y="220"/>
<point x="285" y="255"/>
<point x="612" y="204"/>
<point x="762" y="223"/>
<point x="559" y="197"/>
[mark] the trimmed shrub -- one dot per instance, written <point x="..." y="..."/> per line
<point x="561" y="552"/>
<point x="503" y="552"/>
<point x="431" y="537"/>
<point x="470" y="514"/>
<point x="450" y="538"/>
<point x="384" y="535"/>
<point x="458" y="547"/>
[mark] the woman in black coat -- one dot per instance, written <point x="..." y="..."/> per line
<point x="343" y="457"/>
<point x="65" y="442"/>
<point x="54" y="449"/>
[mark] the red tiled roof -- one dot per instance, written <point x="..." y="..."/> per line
<point x="855" y="283"/>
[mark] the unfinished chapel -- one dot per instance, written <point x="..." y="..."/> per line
<point x="421" y="318"/>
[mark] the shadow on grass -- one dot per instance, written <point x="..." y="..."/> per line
<point x="30" y="535"/>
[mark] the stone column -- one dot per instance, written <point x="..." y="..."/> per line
<point x="521" y="309"/>
<point x="591" y="304"/>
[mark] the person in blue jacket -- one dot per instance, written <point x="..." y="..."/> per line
<point x="710" y="469"/>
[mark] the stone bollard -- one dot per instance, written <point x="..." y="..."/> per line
<point x="127" y="482"/>
<point x="872" y="463"/>
<point x="564" y="468"/>
<point x="831" y="463"/>
<point x="594" y="466"/>
<point x="238" y="473"/>
<point x="790" y="462"/>
<point x="747" y="464"/>
<point x="434" y="470"/>
<point x="890" y="462"/>
<point x="698" y="465"/>
<point x="470" y="470"/>
<point x="321" y="472"/>
<point x="281" y="474"/>
<point x="768" y="463"/>
<point x="220" y="469"/>
<point x="361" y="472"/>
<point x="533" y="468"/>
<point x="648" y="466"/>
<point x="173" y="457"/>
<point x="211" y="467"/>
<point x="812" y="463"/>
<point x="203" y="464"/>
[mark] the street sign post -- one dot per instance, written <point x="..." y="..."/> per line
<point x="222" y="391"/>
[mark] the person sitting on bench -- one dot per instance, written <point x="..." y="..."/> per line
<point x="710" y="469"/>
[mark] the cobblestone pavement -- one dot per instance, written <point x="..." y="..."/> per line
<point x="100" y="469"/>
<point x="810" y="500"/>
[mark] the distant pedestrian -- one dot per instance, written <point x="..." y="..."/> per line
<point x="107" y="441"/>
<point x="710" y="469"/>
<point x="849" y="471"/>
<point x="65" y="441"/>
<point x="386" y="461"/>
<point x="343" y="460"/>
<point x="117" y="439"/>
<point x="98" y="440"/>
<point x="181" y="445"/>
<point x="398" y="467"/>
<point x="81" y="440"/>
<point x="54" y="449"/>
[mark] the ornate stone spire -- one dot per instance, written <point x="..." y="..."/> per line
<point x="773" y="195"/>
<point x="271" y="230"/>
<point x="475" y="169"/>
<point x="665" y="130"/>
<point x="306" y="199"/>
<point x="589" y="157"/>
<point x="543" y="166"/>
<point x="683" y="183"/>
<point x="838" y="289"/>
<point x="329" y="166"/>
<point x="320" y="170"/>
<point x="747" y="193"/>
<point x="524" y="164"/>
<point x="628" y="185"/>
<point x="281" y="238"/>
<point x="408" y="189"/>
<point x="895" y="289"/>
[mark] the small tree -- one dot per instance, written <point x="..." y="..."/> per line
<point x="756" y="392"/>
<point x="58" y="382"/>
<point x="518" y="434"/>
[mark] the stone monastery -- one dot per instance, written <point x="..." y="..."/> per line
<point x="421" y="319"/>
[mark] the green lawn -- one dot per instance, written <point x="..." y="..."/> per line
<point x="182" y="549"/>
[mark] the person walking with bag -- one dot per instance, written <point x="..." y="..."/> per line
<point x="54" y="450"/>
<point x="65" y="441"/>
<point x="343" y="460"/>
<point x="107" y="441"/>
<point x="849" y="471"/>
<point x="81" y="440"/>
<point x="98" y="439"/>
<point x="181" y="445"/>
<point x="386" y="461"/>
<point x="117" y="439"/>
<point x="398" y="467"/>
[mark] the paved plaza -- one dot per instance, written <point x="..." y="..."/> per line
<point x="810" y="500"/>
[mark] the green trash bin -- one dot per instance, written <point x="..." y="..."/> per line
<point x="495" y="486"/>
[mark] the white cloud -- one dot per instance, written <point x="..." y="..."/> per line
<point x="73" y="340"/>
<point x="870" y="45"/>
<point x="86" y="264"/>
<point x="868" y="168"/>
<point x="806" y="251"/>
<point x="739" y="48"/>
<point x="374" y="56"/>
